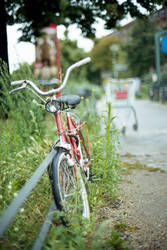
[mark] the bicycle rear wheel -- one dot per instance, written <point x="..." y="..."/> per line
<point x="68" y="187"/>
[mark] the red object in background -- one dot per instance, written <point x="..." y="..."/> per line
<point x="47" y="65"/>
<point x="121" y="94"/>
<point x="58" y="62"/>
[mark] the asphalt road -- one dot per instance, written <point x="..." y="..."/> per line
<point x="151" y="136"/>
<point x="149" y="143"/>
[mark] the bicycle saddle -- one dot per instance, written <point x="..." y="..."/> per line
<point x="69" y="99"/>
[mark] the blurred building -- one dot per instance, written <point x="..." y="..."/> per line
<point x="160" y="17"/>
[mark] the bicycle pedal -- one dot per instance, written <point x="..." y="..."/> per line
<point x="95" y="178"/>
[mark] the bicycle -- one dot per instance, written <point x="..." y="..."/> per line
<point x="69" y="169"/>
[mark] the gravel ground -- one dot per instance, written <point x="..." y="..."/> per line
<point x="145" y="201"/>
<point x="142" y="207"/>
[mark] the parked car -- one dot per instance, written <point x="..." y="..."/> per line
<point x="158" y="91"/>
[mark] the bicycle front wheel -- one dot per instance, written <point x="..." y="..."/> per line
<point x="68" y="187"/>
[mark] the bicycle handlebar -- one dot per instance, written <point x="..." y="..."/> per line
<point x="53" y="91"/>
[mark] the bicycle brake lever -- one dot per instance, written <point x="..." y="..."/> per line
<point x="16" y="89"/>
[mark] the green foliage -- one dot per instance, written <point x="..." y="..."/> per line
<point x="38" y="14"/>
<point x="20" y="107"/>
<point x="107" y="238"/>
<point x="70" y="54"/>
<point x="164" y="73"/>
<point x="102" y="55"/>
<point x="101" y="190"/>
<point x="147" y="78"/>
<point x="25" y="70"/>
<point x="77" y="236"/>
<point x="104" y="58"/>
<point x="147" y="81"/>
<point x="140" y="50"/>
<point x="22" y="149"/>
<point x="17" y="165"/>
<point x="70" y="237"/>
<point x="94" y="75"/>
<point x="105" y="164"/>
<point x="19" y="158"/>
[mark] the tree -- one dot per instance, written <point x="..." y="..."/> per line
<point x="102" y="55"/>
<point x="141" y="49"/>
<point x="70" y="53"/>
<point x="39" y="13"/>
<point x="104" y="59"/>
<point x="3" y="33"/>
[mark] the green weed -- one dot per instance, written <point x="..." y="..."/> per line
<point x="24" y="145"/>
<point x="137" y="165"/>
<point x="102" y="189"/>
<point x="107" y="238"/>
<point x="28" y="119"/>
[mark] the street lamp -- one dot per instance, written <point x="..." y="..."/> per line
<point x="114" y="48"/>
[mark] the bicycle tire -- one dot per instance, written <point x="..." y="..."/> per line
<point x="69" y="191"/>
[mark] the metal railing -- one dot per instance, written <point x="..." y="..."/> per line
<point x="23" y="194"/>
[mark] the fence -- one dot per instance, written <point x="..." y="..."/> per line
<point x="23" y="194"/>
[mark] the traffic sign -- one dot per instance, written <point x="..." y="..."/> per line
<point x="164" y="44"/>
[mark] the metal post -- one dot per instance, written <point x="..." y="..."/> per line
<point x="157" y="55"/>
<point x="58" y="62"/>
<point x="114" y="48"/>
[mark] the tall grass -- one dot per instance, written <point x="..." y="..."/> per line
<point x="27" y="118"/>
<point x="101" y="190"/>
<point x="105" y="164"/>
<point x="24" y="145"/>
<point x="22" y="123"/>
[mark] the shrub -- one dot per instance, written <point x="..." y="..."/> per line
<point x="27" y="117"/>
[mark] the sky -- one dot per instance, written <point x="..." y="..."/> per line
<point x="20" y="52"/>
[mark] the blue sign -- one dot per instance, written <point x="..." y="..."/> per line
<point x="164" y="44"/>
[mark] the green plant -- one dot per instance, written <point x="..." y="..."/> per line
<point x="22" y="149"/>
<point x="102" y="189"/>
<point x="20" y="157"/>
<point x="20" y="108"/>
<point x="164" y="73"/>
<point x="107" y="238"/>
<point x="72" y="236"/>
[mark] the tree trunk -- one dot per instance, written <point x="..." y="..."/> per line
<point x="3" y="34"/>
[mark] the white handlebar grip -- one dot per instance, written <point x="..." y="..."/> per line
<point x="17" y="82"/>
<point x="84" y="61"/>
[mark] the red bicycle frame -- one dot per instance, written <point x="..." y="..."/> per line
<point x="69" y="136"/>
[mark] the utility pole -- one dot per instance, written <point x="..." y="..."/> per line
<point x="114" y="48"/>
